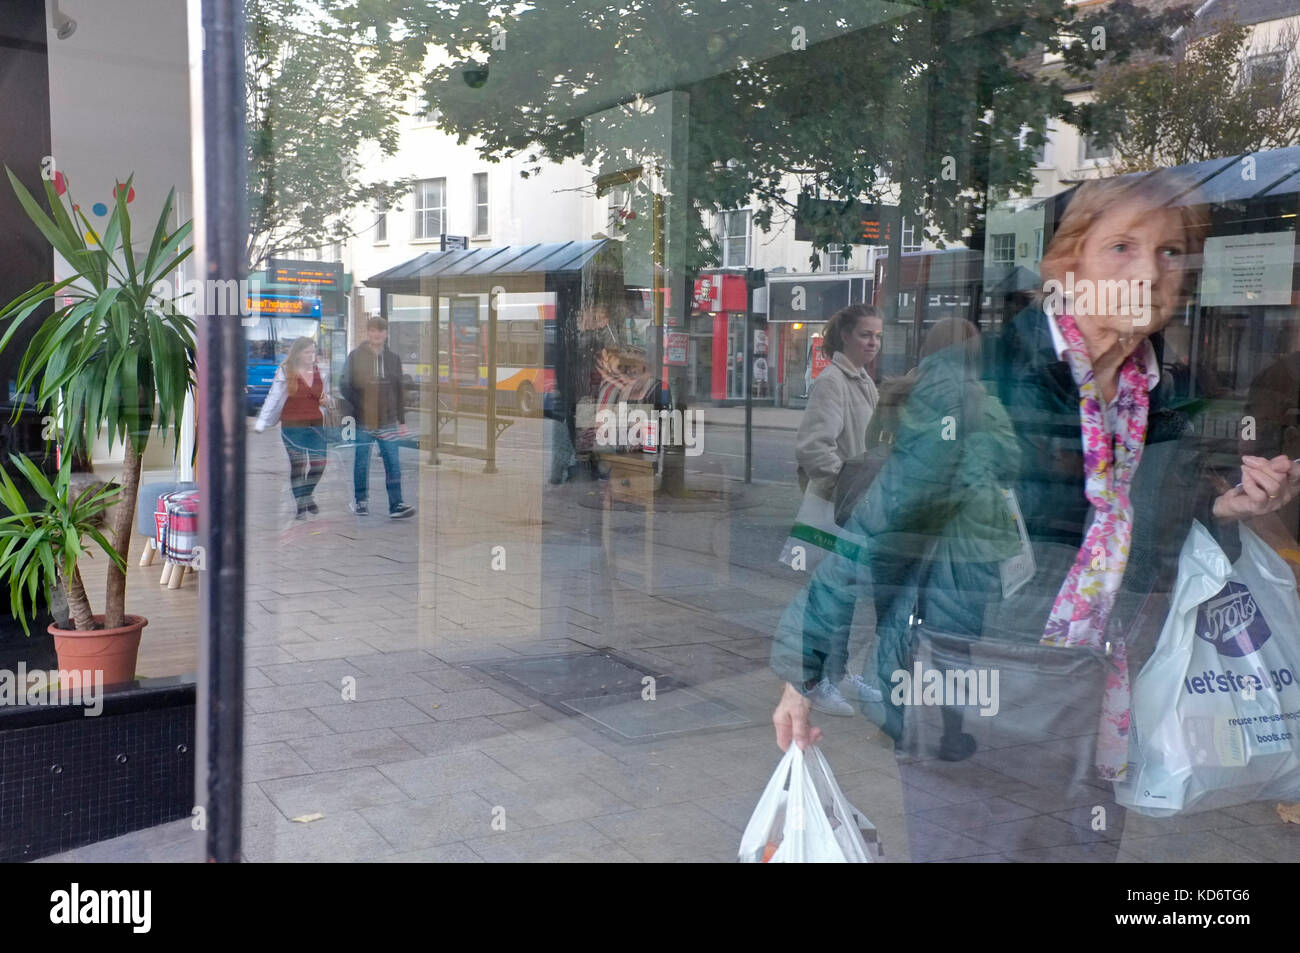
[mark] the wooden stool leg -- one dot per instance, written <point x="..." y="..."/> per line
<point x="178" y="574"/>
<point x="150" y="551"/>
<point x="166" y="573"/>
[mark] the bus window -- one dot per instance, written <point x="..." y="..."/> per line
<point x="503" y="343"/>
<point x="270" y="338"/>
<point x="525" y="343"/>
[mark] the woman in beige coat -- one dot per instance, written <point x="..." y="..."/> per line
<point x="834" y="425"/>
<point x="834" y="430"/>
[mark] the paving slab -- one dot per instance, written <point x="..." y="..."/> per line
<point x="353" y="749"/>
<point x="573" y="842"/>
<point x="330" y="792"/>
<point x="414" y="825"/>
<point x="360" y="715"/>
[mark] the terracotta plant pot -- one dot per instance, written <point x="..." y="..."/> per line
<point x="112" y="651"/>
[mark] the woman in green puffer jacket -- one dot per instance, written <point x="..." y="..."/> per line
<point x="953" y="451"/>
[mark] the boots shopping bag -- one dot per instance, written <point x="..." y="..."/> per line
<point x="804" y="818"/>
<point x="1216" y="709"/>
<point x="815" y="533"/>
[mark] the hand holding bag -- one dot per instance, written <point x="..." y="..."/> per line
<point x="804" y="818"/>
<point x="815" y="533"/>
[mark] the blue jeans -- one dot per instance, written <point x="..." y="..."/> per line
<point x="392" y="468"/>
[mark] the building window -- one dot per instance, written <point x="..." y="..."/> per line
<point x="430" y="208"/>
<point x="1039" y="152"/>
<point x="1092" y="150"/>
<point x="1004" y="248"/>
<point x="911" y="241"/>
<point x="1268" y="72"/>
<point x="838" y="258"/>
<point x="381" y="227"/>
<point x="480" y="204"/>
<point x="617" y="207"/>
<point x="734" y="239"/>
<point x="1038" y="244"/>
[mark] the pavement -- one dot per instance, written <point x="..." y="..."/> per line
<point x="764" y="418"/>
<point x="470" y="685"/>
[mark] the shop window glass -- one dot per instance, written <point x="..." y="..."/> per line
<point x="536" y="600"/>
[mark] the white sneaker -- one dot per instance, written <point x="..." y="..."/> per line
<point x="826" y="698"/>
<point x="857" y="685"/>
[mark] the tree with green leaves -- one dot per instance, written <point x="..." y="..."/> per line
<point x="323" y="102"/>
<point x="1205" y="104"/>
<point x="922" y="104"/>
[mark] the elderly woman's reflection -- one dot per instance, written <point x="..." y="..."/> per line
<point x="1110" y="478"/>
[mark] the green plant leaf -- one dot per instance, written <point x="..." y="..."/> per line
<point x="124" y="220"/>
<point x="118" y="560"/>
<point x="57" y="238"/>
<point x="151" y="272"/>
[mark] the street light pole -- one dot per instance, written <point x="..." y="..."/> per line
<point x="754" y="278"/>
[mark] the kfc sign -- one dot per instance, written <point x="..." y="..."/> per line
<point x="708" y="293"/>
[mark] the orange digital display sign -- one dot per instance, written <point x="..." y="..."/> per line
<point x="815" y="217"/>
<point x="290" y="305"/>
<point x="303" y="276"/>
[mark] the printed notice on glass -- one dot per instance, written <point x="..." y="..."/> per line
<point x="675" y="345"/>
<point x="1248" y="270"/>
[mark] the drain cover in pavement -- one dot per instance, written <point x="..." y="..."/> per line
<point x="553" y="677"/>
<point x="608" y="689"/>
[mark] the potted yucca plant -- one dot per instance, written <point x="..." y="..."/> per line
<point x="41" y="551"/>
<point x="116" y="355"/>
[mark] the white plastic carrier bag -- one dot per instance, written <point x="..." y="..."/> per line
<point x="815" y="533"/>
<point x="1216" y="709"/>
<point x="804" y="818"/>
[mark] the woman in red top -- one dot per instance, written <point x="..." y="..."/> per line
<point x="297" y="395"/>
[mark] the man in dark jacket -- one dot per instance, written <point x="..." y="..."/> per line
<point x="372" y="386"/>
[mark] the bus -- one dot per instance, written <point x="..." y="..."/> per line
<point x="525" y="323"/>
<point x="267" y="344"/>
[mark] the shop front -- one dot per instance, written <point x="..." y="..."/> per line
<point x="798" y="308"/>
<point x="722" y="370"/>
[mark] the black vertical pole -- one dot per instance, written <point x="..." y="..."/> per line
<point x="222" y="376"/>
<point x="746" y="382"/>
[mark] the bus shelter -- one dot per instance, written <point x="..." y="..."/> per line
<point x="486" y="330"/>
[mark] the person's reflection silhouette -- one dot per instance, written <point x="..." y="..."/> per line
<point x="934" y="509"/>
<point x="1110" y="476"/>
